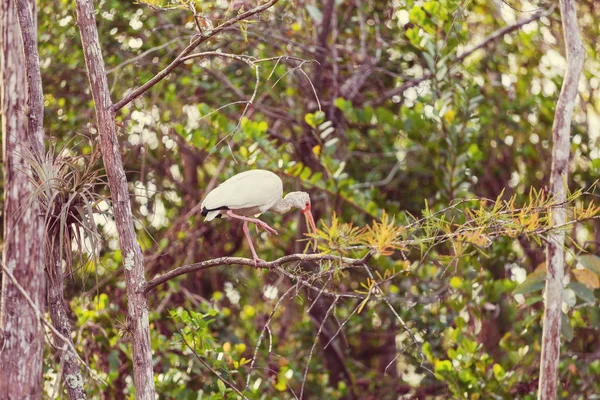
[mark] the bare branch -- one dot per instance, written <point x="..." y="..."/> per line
<point x="555" y="253"/>
<point x="506" y="30"/>
<point x="134" y="94"/>
<point x="186" y="269"/>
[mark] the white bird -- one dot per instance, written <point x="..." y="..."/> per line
<point x="250" y="194"/>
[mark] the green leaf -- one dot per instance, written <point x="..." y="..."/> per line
<point x="456" y="282"/>
<point x="413" y="35"/>
<point x="221" y="386"/>
<point x="443" y="366"/>
<point x="583" y="292"/>
<point x="310" y="120"/>
<point x="565" y="327"/>
<point x="532" y="283"/>
<point x="417" y="15"/>
<point x="591" y="262"/>
<point x="427" y="351"/>
<point x="499" y="372"/>
<point x="432" y="7"/>
<point x="533" y="300"/>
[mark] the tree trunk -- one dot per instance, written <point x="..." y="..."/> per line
<point x="60" y="319"/>
<point x="21" y="332"/>
<point x="555" y="254"/>
<point x="117" y="181"/>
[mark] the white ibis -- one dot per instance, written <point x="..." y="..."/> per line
<point x="250" y="194"/>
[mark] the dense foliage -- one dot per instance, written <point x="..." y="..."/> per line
<point x="430" y="156"/>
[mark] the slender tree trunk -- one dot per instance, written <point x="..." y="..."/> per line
<point x="117" y="181"/>
<point x="53" y="260"/>
<point x="555" y="255"/>
<point x="21" y="332"/>
<point x="60" y="318"/>
<point x="26" y="13"/>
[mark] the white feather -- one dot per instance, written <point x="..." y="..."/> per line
<point x="254" y="191"/>
<point x="212" y="215"/>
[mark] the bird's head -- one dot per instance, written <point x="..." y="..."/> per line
<point x="301" y="201"/>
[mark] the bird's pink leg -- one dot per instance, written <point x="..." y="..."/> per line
<point x="254" y="255"/>
<point x="255" y="221"/>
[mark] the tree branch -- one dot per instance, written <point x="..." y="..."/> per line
<point x="186" y="269"/>
<point x="491" y="38"/>
<point x="180" y="58"/>
<point x="506" y="30"/>
<point x="555" y="253"/>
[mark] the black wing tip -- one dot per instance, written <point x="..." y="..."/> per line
<point x="205" y="210"/>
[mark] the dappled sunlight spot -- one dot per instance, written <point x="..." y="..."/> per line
<point x="549" y="88"/>
<point x="552" y="64"/>
<point x="547" y="35"/>
<point x="135" y="23"/>
<point x="135" y="43"/>
<point x="403" y="17"/>
<point x="411" y="377"/>
<point x="517" y="274"/>
<point x="271" y="292"/>
<point x="233" y="295"/>
<point x="515" y="179"/>
<point x="193" y="116"/>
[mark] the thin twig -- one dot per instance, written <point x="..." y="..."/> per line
<point x="494" y="36"/>
<point x="509" y="29"/>
<point x="41" y="317"/>
<point x="135" y="93"/>
<point x="211" y="369"/>
<point x="145" y="53"/>
<point x="262" y="334"/>
<point x="312" y="349"/>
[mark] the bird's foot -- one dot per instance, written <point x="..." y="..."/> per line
<point x="268" y="229"/>
<point x="258" y="261"/>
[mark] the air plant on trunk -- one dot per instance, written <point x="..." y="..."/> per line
<point x="66" y="186"/>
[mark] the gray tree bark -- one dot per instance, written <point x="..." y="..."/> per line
<point x="53" y="260"/>
<point x="58" y="311"/>
<point x="555" y="254"/>
<point x="21" y="332"/>
<point x="117" y="181"/>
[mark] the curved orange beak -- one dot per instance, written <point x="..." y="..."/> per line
<point x="311" y="222"/>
